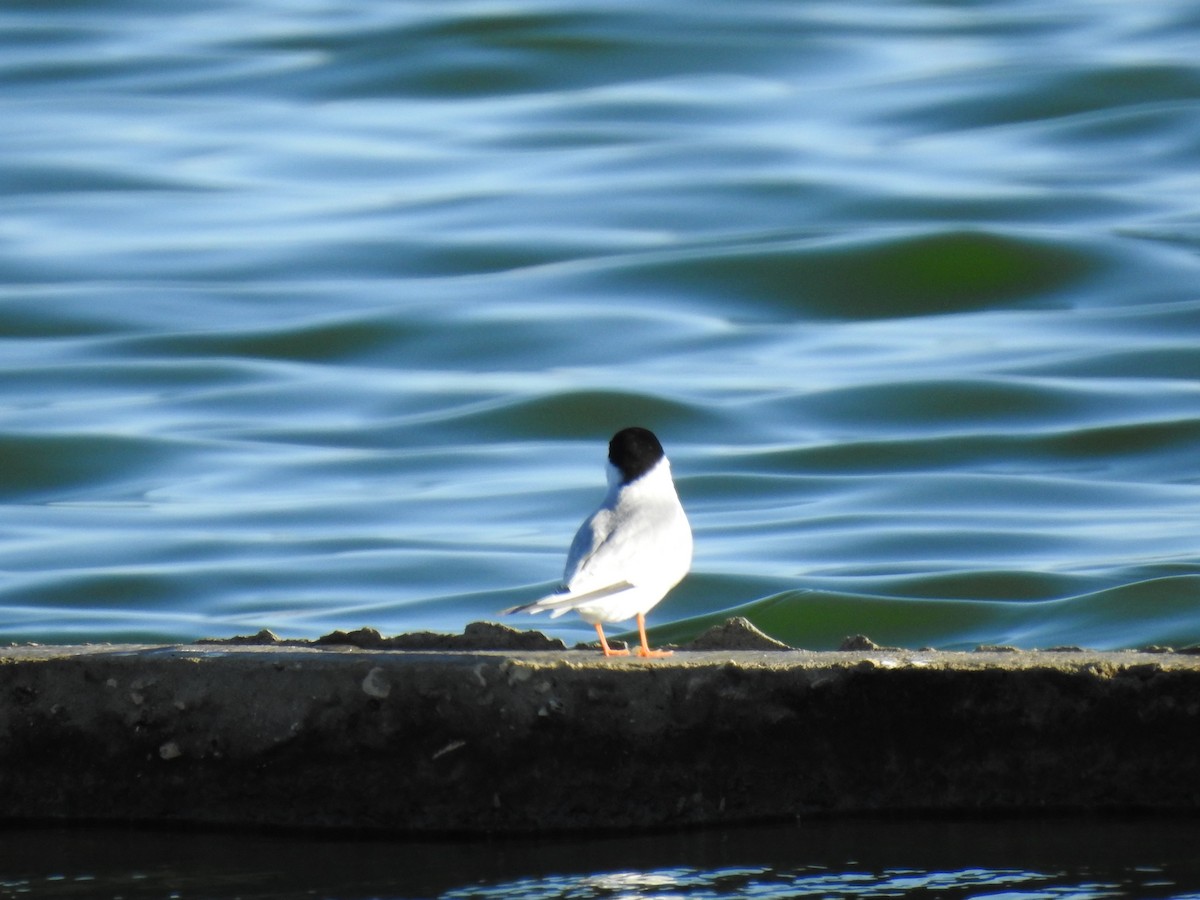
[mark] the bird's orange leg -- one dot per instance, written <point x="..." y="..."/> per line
<point x="608" y="651"/>
<point x="644" y="651"/>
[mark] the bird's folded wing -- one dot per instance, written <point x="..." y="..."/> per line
<point x="629" y="554"/>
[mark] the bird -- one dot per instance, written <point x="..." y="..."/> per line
<point x="629" y="553"/>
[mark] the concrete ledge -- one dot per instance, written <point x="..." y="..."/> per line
<point x="444" y="741"/>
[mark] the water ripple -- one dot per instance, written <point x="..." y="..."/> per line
<point x="320" y="316"/>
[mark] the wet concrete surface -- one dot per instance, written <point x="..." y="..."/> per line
<point x="350" y="732"/>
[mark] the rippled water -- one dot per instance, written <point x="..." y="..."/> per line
<point x="319" y="314"/>
<point x="1018" y="860"/>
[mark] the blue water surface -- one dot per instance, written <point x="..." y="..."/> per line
<point x="1107" y="859"/>
<point x="318" y="314"/>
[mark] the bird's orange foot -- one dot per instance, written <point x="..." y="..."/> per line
<point x="647" y="653"/>
<point x="644" y="650"/>
<point x="608" y="651"/>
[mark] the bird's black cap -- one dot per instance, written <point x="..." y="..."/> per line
<point x="634" y="451"/>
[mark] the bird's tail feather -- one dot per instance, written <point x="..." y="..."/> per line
<point x="565" y="600"/>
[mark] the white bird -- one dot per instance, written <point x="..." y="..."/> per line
<point x="632" y="550"/>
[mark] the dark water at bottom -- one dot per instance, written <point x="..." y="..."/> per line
<point x="1011" y="859"/>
